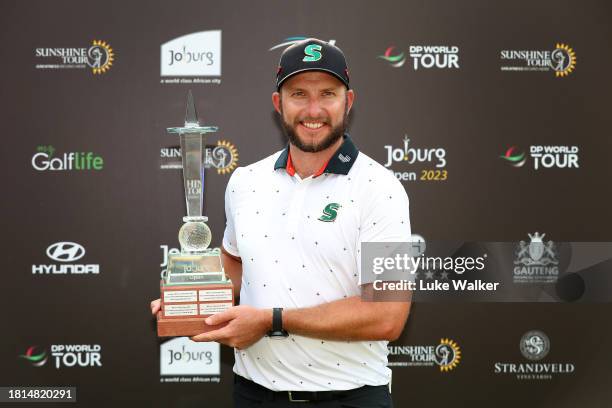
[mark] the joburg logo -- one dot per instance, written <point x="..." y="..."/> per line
<point x="182" y="357"/>
<point x="534" y="346"/>
<point x="425" y="57"/>
<point x="294" y="40"/>
<point x="395" y="60"/>
<point x="66" y="253"/>
<point x="330" y="212"/>
<point x="536" y="262"/>
<point x="560" y="157"/>
<point x="432" y="157"/>
<point x="445" y="355"/>
<point x="561" y="60"/>
<point x="43" y="160"/>
<point x="223" y="157"/>
<point x="99" y="57"/>
<point x="36" y="356"/>
<point x="194" y="55"/>
<point x="66" y="355"/>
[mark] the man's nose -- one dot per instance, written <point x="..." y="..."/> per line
<point x="314" y="108"/>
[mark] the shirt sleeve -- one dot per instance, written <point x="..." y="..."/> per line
<point x="385" y="217"/>
<point x="229" y="236"/>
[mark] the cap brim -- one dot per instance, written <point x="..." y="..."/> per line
<point x="300" y="71"/>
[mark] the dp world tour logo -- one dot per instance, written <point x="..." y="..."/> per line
<point x="36" y="356"/>
<point x="515" y="157"/>
<point x="396" y="60"/>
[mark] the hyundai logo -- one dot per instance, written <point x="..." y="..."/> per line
<point x="65" y="251"/>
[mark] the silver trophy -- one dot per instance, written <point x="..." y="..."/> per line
<point x="194" y="285"/>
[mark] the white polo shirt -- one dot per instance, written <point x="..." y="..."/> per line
<point x="299" y="240"/>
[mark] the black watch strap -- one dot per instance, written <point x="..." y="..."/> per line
<point x="277" y="324"/>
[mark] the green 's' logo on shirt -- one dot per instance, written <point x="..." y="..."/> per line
<point x="330" y="212"/>
<point x="312" y="53"/>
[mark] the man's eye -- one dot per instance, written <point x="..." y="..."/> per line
<point x="328" y="93"/>
<point x="297" y="93"/>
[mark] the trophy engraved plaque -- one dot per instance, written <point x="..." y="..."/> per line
<point x="194" y="286"/>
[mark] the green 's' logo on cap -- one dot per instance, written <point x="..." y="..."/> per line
<point x="330" y="212"/>
<point x="312" y="52"/>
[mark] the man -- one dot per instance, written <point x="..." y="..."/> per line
<point x="295" y="224"/>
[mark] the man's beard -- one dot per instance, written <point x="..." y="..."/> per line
<point x="336" y="133"/>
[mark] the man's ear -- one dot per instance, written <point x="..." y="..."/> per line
<point x="350" y="97"/>
<point x="276" y="101"/>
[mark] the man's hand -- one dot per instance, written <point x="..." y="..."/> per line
<point x="245" y="326"/>
<point x="155" y="306"/>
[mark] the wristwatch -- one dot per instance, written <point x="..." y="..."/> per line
<point x="277" y="331"/>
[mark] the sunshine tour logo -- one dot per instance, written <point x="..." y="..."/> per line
<point x="445" y="355"/>
<point x="534" y="346"/>
<point x="433" y="159"/>
<point x="223" y="157"/>
<point x="65" y="355"/>
<point x="544" y="157"/>
<point x="44" y="160"/>
<point x="99" y="56"/>
<point x="561" y="60"/>
<point x="424" y="57"/>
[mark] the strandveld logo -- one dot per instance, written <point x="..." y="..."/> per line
<point x="395" y="60"/>
<point x="536" y="261"/>
<point x="330" y="212"/>
<point x="65" y="253"/>
<point x="182" y="357"/>
<point x="193" y="55"/>
<point x="294" y="40"/>
<point x="445" y="355"/>
<point x="534" y="346"/>
<point x="66" y="355"/>
<point x="561" y="60"/>
<point x="433" y="159"/>
<point x="223" y="157"/>
<point x="36" y="356"/>
<point x="425" y="57"/>
<point x="99" y="57"/>
<point x="547" y="157"/>
<point x="44" y="160"/>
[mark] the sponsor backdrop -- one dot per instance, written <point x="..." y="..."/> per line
<point x="495" y="117"/>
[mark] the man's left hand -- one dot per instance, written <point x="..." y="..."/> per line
<point x="244" y="326"/>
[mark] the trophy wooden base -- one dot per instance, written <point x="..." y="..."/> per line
<point x="186" y="326"/>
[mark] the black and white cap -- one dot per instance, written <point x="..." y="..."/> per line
<point x="312" y="55"/>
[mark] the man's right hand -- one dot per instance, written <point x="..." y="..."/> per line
<point x="155" y="306"/>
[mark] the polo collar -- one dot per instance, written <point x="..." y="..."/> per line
<point x="340" y="163"/>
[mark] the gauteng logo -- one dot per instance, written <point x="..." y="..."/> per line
<point x="395" y="60"/>
<point x="330" y="212"/>
<point x="36" y="356"/>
